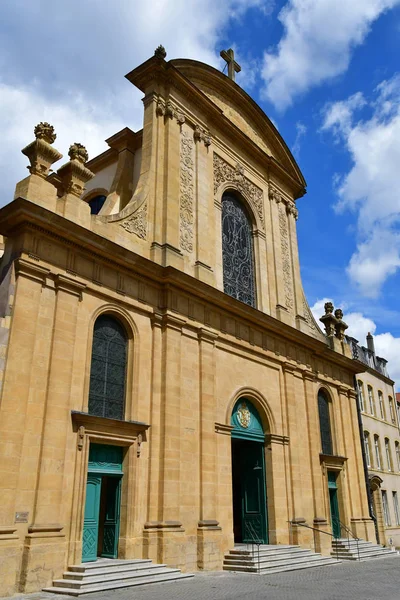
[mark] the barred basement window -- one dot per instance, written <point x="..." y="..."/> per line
<point x="237" y="251"/>
<point x="324" y="423"/>
<point x="108" y="369"/>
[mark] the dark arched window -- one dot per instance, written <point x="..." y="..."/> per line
<point x="108" y="369"/>
<point x="96" y="204"/>
<point x="325" y="423"/>
<point x="237" y="251"/>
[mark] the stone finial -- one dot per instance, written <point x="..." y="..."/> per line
<point x="160" y="52"/>
<point x="74" y="174"/>
<point x="45" y="131"/>
<point x="340" y="326"/>
<point x="329" y="320"/>
<point x="40" y="152"/>
<point x="78" y="152"/>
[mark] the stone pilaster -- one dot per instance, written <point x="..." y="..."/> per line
<point x="277" y="492"/>
<point x="314" y="443"/>
<point x="204" y="206"/>
<point x="208" y="555"/>
<point x="45" y="547"/>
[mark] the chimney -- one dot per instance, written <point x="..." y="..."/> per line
<point x="370" y="343"/>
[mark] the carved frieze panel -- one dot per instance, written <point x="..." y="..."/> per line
<point x="224" y="172"/>
<point x="186" y="204"/>
<point x="286" y="262"/>
<point x="137" y="222"/>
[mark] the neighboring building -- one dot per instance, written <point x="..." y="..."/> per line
<point x="380" y="418"/>
<point x="166" y="391"/>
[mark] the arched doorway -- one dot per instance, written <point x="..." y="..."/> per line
<point x="248" y="475"/>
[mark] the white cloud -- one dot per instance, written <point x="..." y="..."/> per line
<point x="301" y="131"/>
<point x="370" y="186"/>
<point x="317" y="42"/>
<point x="67" y="65"/>
<point x="386" y="345"/>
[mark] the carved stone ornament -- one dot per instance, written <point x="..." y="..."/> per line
<point x="223" y="172"/>
<point x="286" y="262"/>
<point x="243" y="415"/>
<point x="160" y="52"/>
<point x="340" y="326"/>
<point x="169" y="111"/>
<point x="137" y="222"/>
<point x="40" y="152"/>
<point x="45" y="131"/>
<point x="81" y="437"/>
<point x="78" y="152"/>
<point x="308" y="316"/>
<point x="201" y="135"/>
<point x="186" y="205"/>
<point x="329" y="320"/>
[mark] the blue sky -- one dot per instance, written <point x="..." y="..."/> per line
<point x="325" y="71"/>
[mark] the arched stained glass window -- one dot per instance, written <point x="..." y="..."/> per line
<point x="325" y="423"/>
<point x="237" y="251"/>
<point x="108" y="369"/>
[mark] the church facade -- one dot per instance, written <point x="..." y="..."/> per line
<point x="165" y="390"/>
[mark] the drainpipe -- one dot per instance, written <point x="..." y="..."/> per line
<point x="364" y="457"/>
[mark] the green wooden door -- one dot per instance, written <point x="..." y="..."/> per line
<point x="333" y="499"/>
<point x="254" y="514"/>
<point x="91" y="518"/>
<point x="111" y="521"/>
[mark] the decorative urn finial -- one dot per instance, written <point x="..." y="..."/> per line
<point x="340" y="326"/>
<point x="329" y="320"/>
<point x="45" y="131"/>
<point x="160" y="52"/>
<point x="78" y="152"/>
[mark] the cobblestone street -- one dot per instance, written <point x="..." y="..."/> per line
<point x="371" y="580"/>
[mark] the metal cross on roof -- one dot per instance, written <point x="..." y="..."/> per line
<point x="233" y="66"/>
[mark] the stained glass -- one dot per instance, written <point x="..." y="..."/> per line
<point x="324" y="424"/>
<point x="237" y="251"/>
<point x="108" y="369"/>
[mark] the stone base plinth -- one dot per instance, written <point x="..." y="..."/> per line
<point x="43" y="559"/>
<point x="210" y="554"/>
<point x="10" y="561"/>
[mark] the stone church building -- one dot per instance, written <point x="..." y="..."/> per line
<point x="165" y="390"/>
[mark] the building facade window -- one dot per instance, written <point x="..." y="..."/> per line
<point x="391" y="410"/>
<point x="397" y="446"/>
<point x="388" y="455"/>
<point x="396" y="508"/>
<point x="325" y="423"/>
<point x="385" y="506"/>
<point x="371" y="401"/>
<point x="377" y="452"/>
<point x="381" y="406"/>
<point x="366" y="447"/>
<point x="96" y="204"/>
<point x="108" y="369"/>
<point x="237" y="251"/>
<point x="361" y="395"/>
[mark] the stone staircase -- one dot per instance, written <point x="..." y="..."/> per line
<point x="347" y="550"/>
<point x="107" y="574"/>
<point x="273" y="559"/>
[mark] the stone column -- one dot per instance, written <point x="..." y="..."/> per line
<point x="14" y="411"/>
<point x="45" y="548"/>
<point x="208" y="553"/>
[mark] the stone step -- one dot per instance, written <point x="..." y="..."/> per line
<point x="363" y="556"/>
<point x="109" y="570"/>
<point x="249" y="554"/>
<point x="247" y="548"/>
<point x="101" y="587"/>
<point x="101" y="563"/>
<point x="265" y="559"/>
<point x="111" y="577"/>
<point x="290" y="566"/>
<point x="278" y="561"/>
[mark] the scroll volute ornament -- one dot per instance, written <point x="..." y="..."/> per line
<point x="41" y="153"/>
